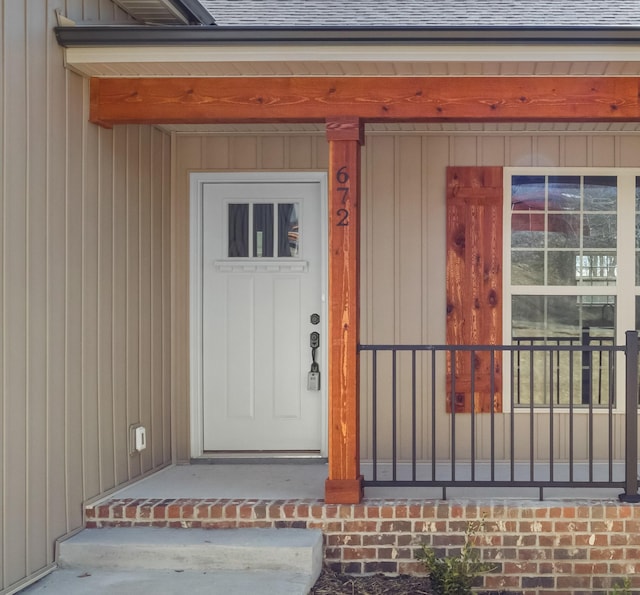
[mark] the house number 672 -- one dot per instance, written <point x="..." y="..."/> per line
<point x="342" y="177"/>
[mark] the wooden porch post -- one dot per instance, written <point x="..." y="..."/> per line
<point x="344" y="484"/>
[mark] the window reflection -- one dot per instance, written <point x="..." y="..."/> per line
<point x="288" y="230"/>
<point x="238" y="216"/>
<point x="274" y="233"/>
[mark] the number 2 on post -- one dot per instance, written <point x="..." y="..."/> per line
<point x="342" y="177"/>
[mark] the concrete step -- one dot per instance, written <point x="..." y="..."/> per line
<point x="142" y="560"/>
<point x="134" y="548"/>
<point x="171" y="582"/>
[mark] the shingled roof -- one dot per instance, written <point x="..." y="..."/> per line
<point x="424" y="13"/>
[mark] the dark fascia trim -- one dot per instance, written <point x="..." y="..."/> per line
<point x="194" y="12"/>
<point x="83" y="36"/>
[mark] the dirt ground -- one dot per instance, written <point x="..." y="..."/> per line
<point x="333" y="583"/>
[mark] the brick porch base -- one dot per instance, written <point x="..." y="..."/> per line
<point x="538" y="547"/>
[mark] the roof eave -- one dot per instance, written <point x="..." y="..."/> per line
<point x="134" y="35"/>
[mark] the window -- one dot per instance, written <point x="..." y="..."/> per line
<point x="274" y="230"/>
<point x="569" y="279"/>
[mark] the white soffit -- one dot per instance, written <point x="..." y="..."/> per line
<point x="354" y="60"/>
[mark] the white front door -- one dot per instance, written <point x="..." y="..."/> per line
<point x="261" y="282"/>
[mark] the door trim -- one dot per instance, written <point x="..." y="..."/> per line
<point x="196" y="182"/>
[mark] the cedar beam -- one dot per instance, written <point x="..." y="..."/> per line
<point x="344" y="484"/>
<point x="371" y="99"/>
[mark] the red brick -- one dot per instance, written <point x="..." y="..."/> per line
<point x="556" y="540"/>
<point x="457" y="512"/>
<point x="520" y="568"/>
<point x="570" y="527"/>
<point x="345" y="539"/>
<point x="625" y="511"/>
<point x="188" y="511"/>
<point x="573" y="582"/>
<point x="555" y="568"/>
<point x="310" y="525"/>
<point x="606" y="553"/>
<point x="317" y="511"/>
<point x="216" y="511"/>
<point x="345" y="511"/>
<point x="387" y="512"/>
<point x="395" y="527"/>
<point x="255" y="524"/>
<point x="202" y="511"/>
<point x="442" y="511"/>
<point x="331" y="511"/>
<point x="245" y="511"/>
<point x="231" y="511"/>
<point x="621" y="539"/>
<point x="159" y="511"/>
<point x="414" y="567"/>
<point x="414" y="511"/>
<point x="274" y="511"/>
<point x="173" y="511"/>
<point x="501" y="582"/>
<point x="591" y="539"/>
<point x="360" y="511"/>
<point x="289" y="511"/>
<point x="360" y="526"/>
<point x="408" y="539"/>
<point x="358" y="553"/>
<point x="632" y="526"/>
<point x="609" y="526"/>
<point x="380" y="539"/>
<point x="373" y="512"/>
<point x="429" y="511"/>
<point x="429" y="526"/>
<point x="401" y="511"/>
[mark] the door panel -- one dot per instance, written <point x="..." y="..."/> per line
<point x="256" y="311"/>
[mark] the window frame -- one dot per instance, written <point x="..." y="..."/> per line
<point x="625" y="290"/>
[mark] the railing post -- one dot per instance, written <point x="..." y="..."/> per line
<point x="631" y="419"/>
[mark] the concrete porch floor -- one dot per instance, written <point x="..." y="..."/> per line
<point x="305" y="481"/>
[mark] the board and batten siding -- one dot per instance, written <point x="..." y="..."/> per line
<point x="403" y="270"/>
<point x="84" y="291"/>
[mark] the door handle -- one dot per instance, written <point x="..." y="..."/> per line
<point x="313" y="378"/>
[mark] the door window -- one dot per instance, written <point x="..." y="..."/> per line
<point x="274" y="229"/>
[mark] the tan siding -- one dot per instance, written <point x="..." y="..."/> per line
<point x="73" y="323"/>
<point x="403" y="249"/>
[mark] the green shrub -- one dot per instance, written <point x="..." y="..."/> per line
<point x="622" y="589"/>
<point x="455" y="575"/>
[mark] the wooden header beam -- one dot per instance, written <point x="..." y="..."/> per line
<point x="372" y="99"/>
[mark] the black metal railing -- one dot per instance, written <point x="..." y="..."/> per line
<point x="551" y="431"/>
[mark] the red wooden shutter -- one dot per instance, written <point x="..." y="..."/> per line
<point x="474" y="283"/>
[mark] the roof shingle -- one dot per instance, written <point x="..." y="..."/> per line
<point x="426" y="13"/>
